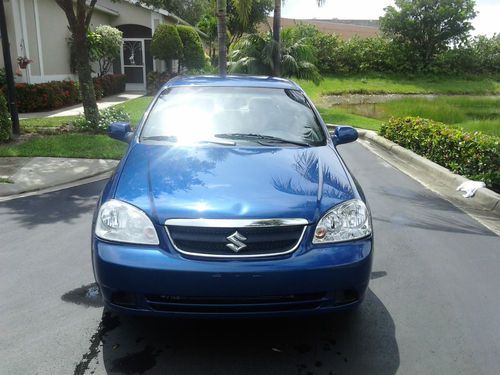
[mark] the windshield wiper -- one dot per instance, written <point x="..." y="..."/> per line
<point x="261" y="137"/>
<point x="159" y="138"/>
<point x="172" y="138"/>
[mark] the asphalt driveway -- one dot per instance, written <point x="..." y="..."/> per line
<point x="433" y="306"/>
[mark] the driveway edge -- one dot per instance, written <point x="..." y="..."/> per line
<point x="50" y="174"/>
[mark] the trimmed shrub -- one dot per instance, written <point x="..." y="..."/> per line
<point x="106" y="117"/>
<point x="46" y="96"/>
<point x="166" y="44"/>
<point x="193" y="56"/>
<point x="109" y="84"/>
<point x="155" y="80"/>
<point x="473" y="155"/>
<point x="5" y="124"/>
<point x="57" y="94"/>
<point x="3" y="79"/>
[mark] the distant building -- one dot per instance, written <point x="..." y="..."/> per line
<point x="346" y="29"/>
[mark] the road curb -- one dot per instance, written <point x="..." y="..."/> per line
<point x="53" y="183"/>
<point x="66" y="185"/>
<point x="484" y="199"/>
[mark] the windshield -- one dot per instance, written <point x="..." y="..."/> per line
<point x="239" y="114"/>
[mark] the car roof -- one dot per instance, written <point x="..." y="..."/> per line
<point x="232" y="81"/>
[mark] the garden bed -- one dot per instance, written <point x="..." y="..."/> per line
<point x="48" y="96"/>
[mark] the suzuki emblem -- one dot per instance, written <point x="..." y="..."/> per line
<point x="236" y="241"/>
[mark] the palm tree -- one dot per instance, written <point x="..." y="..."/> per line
<point x="243" y="7"/>
<point x="254" y="54"/>
<point x="277" y="34"/>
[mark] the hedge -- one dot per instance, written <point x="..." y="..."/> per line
<point x="473" y="155"/>
<point x="56" y="94"/>
<point x="109" y="84"/>
<point x="166" y="43"/>
<point x="46" y="96"/>
<point x="5" y="124"/>
<point x="193" y="55"/>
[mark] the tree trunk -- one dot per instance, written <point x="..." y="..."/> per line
<point x="79" y="15"/>
<point x="221" y="35"/>
<point x="277" y="38"/>
<point x="85" y="77"/>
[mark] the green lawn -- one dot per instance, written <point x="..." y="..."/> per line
<point x="469" y="112"/>
<point x="337" y="116"/>
<point x="340" y="85"/>
<point x="49" y="122"/>
<point x="74" y="145"/>
<point x="68" y="146"/>
<point x="136" y="108"/>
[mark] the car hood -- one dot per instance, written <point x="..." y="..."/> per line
<point x="229" y="182"/>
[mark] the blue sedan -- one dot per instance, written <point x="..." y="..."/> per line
<point x="232" y="200"/>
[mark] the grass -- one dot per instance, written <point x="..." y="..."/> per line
<point x="74" y="145"/>
<point x="471" y="113"/>
<point x="341" y="85"/>
<point x="49" y="122"/>
<point x="136" y="108"/>
<point x="340" y="117"/>
<point x="68" y="146"/>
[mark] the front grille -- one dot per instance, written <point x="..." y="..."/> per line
<point x="295" y="302"/>
<point x="251" y="241"/>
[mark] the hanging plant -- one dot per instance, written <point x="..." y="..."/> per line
<point x="23" y="62"/>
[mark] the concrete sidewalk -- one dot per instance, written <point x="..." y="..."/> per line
<point x="22" y="175"/>
<point x="76" y="110"/>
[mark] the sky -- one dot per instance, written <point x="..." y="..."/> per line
<point x="487" y="22"/>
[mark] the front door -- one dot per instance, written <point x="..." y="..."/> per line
<point x="133" y="63"/>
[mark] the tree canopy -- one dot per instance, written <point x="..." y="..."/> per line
<point x="428" y="27"/>
<point x="257" y="13"/>
<point x="104" y="46"/>
<point x="189" y="10"/>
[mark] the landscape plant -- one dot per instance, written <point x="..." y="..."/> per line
<point x="46" y="96"/>
<point x="208" y="25"/>
<point x="277" y="58"/>
<point x="257" y="14"/>
<point x="167" y="44"/>
<point x="106" y="117"/>
<point x="473" y="155"/>
<point x="254" y="54"/>
<point x="5" y="124"/>
<point x="109" y="84"/>
<point x="193" y="56"/>
<point x="425" y="28"/>
<point x="104" y="46"/>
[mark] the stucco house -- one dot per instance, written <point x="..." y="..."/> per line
<point x="38" y="30"/>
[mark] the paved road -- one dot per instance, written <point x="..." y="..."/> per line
<point x="433" y="306"/>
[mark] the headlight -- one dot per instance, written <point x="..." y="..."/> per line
<point x="347" y="221"/>
<point x="122" y="222"/>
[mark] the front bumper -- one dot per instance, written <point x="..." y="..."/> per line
<point x="146" y="280"/>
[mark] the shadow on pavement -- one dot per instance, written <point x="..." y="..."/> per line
<point x="60" y="206"/>
<point x="361" y="343"/>
<point x="428" y="211"/>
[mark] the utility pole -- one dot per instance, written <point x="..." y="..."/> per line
<point x="9" y="75"/>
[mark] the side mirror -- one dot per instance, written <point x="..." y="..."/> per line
<point x="344" y="134"/>
<point x="120" y="131"/>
